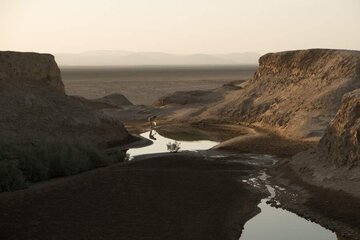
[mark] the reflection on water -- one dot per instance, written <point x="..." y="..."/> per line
<point x="278" y="224"/>
<point x="160" y="145"/>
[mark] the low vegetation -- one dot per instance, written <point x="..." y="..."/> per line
<point x="173" y="147"/>
<point x="21" y="166"/>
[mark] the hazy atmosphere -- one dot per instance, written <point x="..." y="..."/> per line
<point x="181" y="27"/>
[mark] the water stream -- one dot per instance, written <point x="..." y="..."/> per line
<point x="160" y="142"/>
<point x="278" y="224"/>
<point x="271" y="223"/>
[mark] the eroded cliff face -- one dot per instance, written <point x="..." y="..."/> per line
<point x="294" y="93"/>
<point x="341" y="142"/>
<point x="335" y="163"/>
<point x="30" y="68"/>
<point x="34" y="106"/>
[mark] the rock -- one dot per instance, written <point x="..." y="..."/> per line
<point x="35" y="108"/>
<point x="336" y="162"/>
<point x="341" y="142"/>
<point x="116" y="99"/>
<point x="294" y="93"/>
<point x="30" y="68"/>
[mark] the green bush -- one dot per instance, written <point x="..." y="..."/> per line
<point x="23" y="165"/>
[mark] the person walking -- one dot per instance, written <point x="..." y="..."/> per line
<point x="152" y="122"/>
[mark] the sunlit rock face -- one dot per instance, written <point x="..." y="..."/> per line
<point x="295" y="93"/>
<point x="335" y="162"/>
<point x="341" y="142"/>
<point x="34" y="106"/>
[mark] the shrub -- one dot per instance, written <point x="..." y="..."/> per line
<point x="173" y="147"/>
<point x="11" y="177"/>
<point x="20" y="165"/>
<point x="34" y="169"/>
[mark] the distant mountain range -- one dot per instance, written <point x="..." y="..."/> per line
<point x="99" y="58"/>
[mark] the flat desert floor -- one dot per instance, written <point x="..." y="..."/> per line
<point x="143" y="85"/>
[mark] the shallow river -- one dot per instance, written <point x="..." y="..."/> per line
<point x="160" y="142"/>
<point x="271" y="223"/>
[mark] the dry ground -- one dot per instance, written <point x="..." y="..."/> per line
<point x="144" y="85"/>
<point x="185" y="198"/>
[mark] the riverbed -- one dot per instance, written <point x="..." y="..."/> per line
<point x="194" y="194"/>
<point x="271" y="223"/>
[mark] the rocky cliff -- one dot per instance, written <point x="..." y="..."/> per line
<point x="335" y="163"/>
<point x="34" y="106"/>
<point x="294" y="93"/>
<point x="341" y="143"/>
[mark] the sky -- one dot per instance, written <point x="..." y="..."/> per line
<point x="178" y="26"/>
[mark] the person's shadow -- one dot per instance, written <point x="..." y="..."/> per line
<point x="152" y="135"/>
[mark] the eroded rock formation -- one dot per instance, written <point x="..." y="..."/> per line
<point x="116" y="100"/>
<point x="294" y="93"/>
<point x="34" y="106"/>
<point x="30" y="69"/>
<point x="341" y="142"/>
<point x="335" y="163"/>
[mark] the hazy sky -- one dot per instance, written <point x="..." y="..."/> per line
<point x="178" y="26"/>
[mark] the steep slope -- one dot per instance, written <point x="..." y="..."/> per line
<point x="34" y="106"/>
<point x="335" y="163"/>
<point x="294" y="93"/>
<point x="341" y="143"/>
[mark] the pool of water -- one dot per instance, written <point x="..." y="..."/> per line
<point x="160" y="145"/>
<point x="278" y="224"/>
<point x="271" y="223"/>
